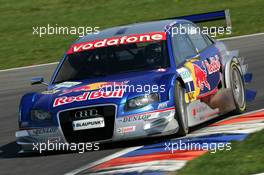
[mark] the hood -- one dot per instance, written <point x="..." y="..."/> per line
<point x="103" y="89"/>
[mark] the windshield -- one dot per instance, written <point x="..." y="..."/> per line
<point x="113" y="60"/>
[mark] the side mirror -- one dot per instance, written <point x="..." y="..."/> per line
<point x="38" y="80"/>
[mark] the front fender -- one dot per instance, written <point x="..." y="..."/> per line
<point x="25" y="106"/>
<point x="227" y="58"/>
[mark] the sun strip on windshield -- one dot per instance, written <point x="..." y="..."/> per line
<point x="146" y="37"/>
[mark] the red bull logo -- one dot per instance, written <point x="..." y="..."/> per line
<point x="66" y="100"/>
<point x="109" y="94"/>
<point x="88" y="96"/>
<point x="201" y="77"/>
<point x="213" y="66"/>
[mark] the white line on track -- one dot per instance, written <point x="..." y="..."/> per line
<point x="107" y="158"/>
<point x="27" y="67"/>
<point x="242" y="36"/>
<point x="40" y="65"/>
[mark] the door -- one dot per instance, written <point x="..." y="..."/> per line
<point x="207" y="69"/>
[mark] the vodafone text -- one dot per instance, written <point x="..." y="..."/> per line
<point x="148" y="37"/>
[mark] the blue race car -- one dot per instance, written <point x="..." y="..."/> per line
<point x="135" y="81"/>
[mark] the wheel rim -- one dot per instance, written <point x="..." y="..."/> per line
<point x="238" y="89"/>
<point x="182" y="109"/>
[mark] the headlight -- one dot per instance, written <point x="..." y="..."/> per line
<point x="40" y="115"/>
<point x="142" y="101"/>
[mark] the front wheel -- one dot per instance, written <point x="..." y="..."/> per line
<point x="237" y="86"/>
<point x="181" y="111"/>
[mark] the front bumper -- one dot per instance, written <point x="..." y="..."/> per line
<point x="147" y="124"/>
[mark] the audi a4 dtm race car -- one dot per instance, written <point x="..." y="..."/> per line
<point x="134" y="81"/>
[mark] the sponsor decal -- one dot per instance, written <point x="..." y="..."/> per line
<point x="88" y="95"/>
<point x="108" y="94"/>
<point x="126" y="129"/>
<point x="194" y="90"/>
<point x="88" y="123"/>
<point x="53" y="91"/>
<point x="148" y="37"/>
<point x="199" y="109"/>
<point x="209" y="114"/>
<point x="201" y="77"/>
<point x="190" y="96"/>
<point x="212" y="66"/>
<point x="66" y="100"/>
<point x="67" y="84"/>
<point x="185" y="74"/>
<point x="152" y="114"/>
<point x="163" y="105"/>
<point x="42" y="131"/>
<point x="136" y="118"/>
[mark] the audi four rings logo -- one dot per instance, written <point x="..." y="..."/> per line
<point x="86" y="113"/>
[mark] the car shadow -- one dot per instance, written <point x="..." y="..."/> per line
<point x="12" y="150"/>
<point x="9" y="150"/>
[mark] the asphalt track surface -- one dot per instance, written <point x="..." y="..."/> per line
<point x="15" y="83"/>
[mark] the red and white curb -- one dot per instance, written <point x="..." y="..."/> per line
<point x="155" y="158"/>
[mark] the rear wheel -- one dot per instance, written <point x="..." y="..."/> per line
<point x="237" y="86"/>
<point x="181" y="111"/>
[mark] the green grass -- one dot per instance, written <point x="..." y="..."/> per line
<point x="19" y="47"/>
<point x="245" y="157"/>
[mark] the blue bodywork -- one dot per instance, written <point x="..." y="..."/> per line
<point x="45" y="101"/>
<point x="166" y="77"/>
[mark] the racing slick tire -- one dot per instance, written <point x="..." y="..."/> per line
<point x="237" y="86"/>
<point x="181" y="110"/>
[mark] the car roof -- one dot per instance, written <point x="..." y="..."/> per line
<point x="131" y="29"/>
